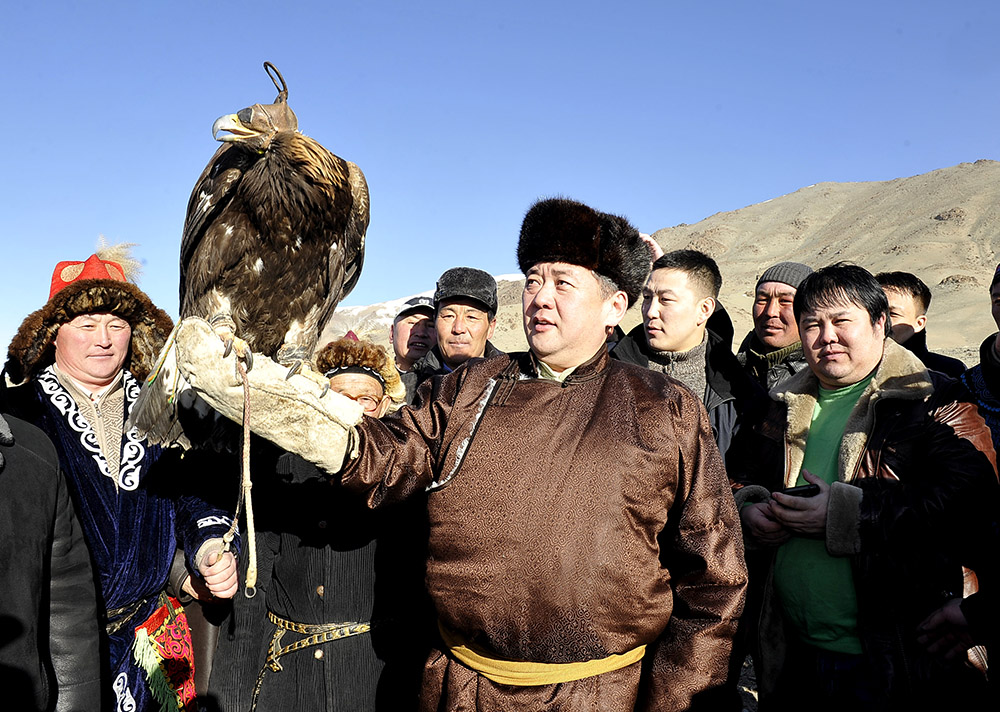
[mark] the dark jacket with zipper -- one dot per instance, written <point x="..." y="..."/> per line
<point x="916" y="499"/>
<point x="730" y="396"/>
<point x="432" y="364"/>
<point x="777" y="373"/>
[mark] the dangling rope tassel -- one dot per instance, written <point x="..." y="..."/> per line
<point x="250" y="587"/>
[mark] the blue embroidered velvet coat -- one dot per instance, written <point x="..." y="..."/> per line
<point x="132" y="529"/>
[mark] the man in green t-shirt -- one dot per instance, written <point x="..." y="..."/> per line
<point x="905" y="494"/>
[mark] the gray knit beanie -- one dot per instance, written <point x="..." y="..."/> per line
<point x="790" y="273"/>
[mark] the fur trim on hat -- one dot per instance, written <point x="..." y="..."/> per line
<point x="32" y="348"/>
<point x="561" y="230"/>
<point x="348" y="352"/>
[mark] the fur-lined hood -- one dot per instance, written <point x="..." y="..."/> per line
<point x="32" y="348"/>
<point x="900" y="375"/>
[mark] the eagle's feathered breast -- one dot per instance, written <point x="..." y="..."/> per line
<point x="274" y="236"/>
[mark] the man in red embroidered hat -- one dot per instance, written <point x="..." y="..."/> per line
<point x="76" y="366"/>
<point x="584" y="551"/>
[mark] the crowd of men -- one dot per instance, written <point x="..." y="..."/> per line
<point x="607" y="521"/>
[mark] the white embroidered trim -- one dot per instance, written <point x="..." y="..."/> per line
<point x="213" y="520"/>
<point x="126" y="703"/>
<point x="464" y="445"/>
<point x="133" y="449"/>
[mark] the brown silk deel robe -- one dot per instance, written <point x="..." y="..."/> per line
<point x="568" y="521"/>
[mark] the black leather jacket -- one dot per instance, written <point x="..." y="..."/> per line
<point x="48" y="613"/>
<point x="916" y="499"/>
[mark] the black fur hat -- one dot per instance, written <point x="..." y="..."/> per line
<point x="561" y="230"/>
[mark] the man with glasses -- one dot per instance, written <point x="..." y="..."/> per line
<point x="325" y="637"/>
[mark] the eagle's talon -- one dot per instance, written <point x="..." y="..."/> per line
<point x="293" y="369"/>
<point x="229" y="347"/>
<point x="248" y="357"/>
<point x="326" y="389"/>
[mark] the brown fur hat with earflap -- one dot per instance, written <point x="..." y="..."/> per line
<point x="349" y="352"/>
<point x="562" y="230"/>
<point x="96" y="286"/>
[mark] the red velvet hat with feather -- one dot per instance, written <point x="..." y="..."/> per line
<point x="101" y="284"/>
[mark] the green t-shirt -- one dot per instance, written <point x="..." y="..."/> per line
<point x="816" y="590"/>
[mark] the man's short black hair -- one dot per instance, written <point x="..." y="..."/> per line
<point x="839" y="283"/>
<point x="996" y="278"/>
<point x="907" y="283"/>
<point x="702" y="272"/>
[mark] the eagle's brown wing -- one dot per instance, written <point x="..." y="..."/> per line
<point x="210" y="198"/>
<point x="274" y="240"/>
<point x="354" y="236"/>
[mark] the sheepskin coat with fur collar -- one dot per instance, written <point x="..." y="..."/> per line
<point x="916" y="498"/>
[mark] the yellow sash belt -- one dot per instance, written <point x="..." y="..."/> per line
<point x="524" y="673"/>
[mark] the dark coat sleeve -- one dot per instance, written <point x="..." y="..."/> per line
<point x="755" y="461"/>
<point x="197" y="483"/>
<point x="73" y="612"/>
<point x="702" y="547"/>
<point x="725" y="422"/>
<point x="947" y="473"/>
<point x="47" y="589"/>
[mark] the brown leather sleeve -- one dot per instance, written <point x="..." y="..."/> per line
<point x="946" y="468"/>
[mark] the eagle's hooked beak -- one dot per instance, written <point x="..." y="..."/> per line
<point x="230" y="123"/>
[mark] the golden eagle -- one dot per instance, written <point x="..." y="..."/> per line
<point x="274" y="235"/>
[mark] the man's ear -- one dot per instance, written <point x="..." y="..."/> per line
<point x="493" y="326"/>
<point x="920" y="323"/>
<point x="880" y="324"/>
<point x="383" y="406"/>
<point x="616" y="306"/>
<point x="706" y="307"/>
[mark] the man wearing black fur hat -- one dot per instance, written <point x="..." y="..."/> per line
<point x="583" y="550"/>
<point x="77" y="364"/>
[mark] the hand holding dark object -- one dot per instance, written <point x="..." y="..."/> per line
<point x="946" y="632"/>
<point x="809" y="490"/>
<point x="760" y="522"/>
<point x="803" y="515"/>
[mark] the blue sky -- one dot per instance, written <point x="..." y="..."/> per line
<point x="461" y="114"/>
